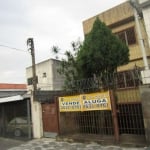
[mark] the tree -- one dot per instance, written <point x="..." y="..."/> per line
<point x="99" y="55"/>
<point x="68" y="66"/>
<point x="102" y="52"/>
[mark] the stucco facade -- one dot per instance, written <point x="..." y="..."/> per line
<point x="48" y="80"/>
<point x="47" y="75"/>
<point x="121" y="19"/>
<point x="145" y="6"/>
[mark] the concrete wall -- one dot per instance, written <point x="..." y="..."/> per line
<point x="37" y="125"/>
<point x="111" y="16"/>
<point x="145" y="99"/>
<point x="48" y="77"/>
<point x="118" y="19"/>
<point x="130" y="95"/>
<point x="145" y="4"/>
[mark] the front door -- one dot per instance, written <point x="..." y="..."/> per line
<point x="50" y="119"/>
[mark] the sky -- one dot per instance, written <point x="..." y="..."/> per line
<point x="48" y="22"/>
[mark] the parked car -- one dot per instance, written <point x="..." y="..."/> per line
<point x="18" y="126"/>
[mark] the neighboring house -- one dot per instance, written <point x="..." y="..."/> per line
<point x="49" y="82"/>
<point x="47" y="76"/>
<point x="14" y="103"/>
<point x="121" y="21"/>
<point x="7" y="90"/>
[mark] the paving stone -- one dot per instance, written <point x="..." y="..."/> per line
<point x="52" y="144"/>
<point x="38" y="148"/>
<point x="112" y="148"/>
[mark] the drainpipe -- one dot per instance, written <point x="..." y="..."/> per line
<point x="137" y="10"/>
<point x="140" y="39"/>
<point x="145" y="74"/>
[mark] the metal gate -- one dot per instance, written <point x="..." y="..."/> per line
<point x="130" y="119"/>
<point x="15" y="119"/>
<point x="97" y="123"/>
<point x="125" y="119"/>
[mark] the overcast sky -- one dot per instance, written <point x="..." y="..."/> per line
<point x="49" y="22"/>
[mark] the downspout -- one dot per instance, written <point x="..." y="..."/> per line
<point x="136" y="16"/>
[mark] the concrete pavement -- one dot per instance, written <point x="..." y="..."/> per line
<point x="52" y="144"/>
<point x="6" y="143"/>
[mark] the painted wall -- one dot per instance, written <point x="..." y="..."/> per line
<point x="37" y="125"/>
<point x="145" y="94"/>
<point x="48" y="77"/>
<point x="118" y="19"/>
<point x="146" y="15"/>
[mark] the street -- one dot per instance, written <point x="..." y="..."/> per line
<point x="52" y="144"/>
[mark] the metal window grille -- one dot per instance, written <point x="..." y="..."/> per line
<point x="130" y="119"/>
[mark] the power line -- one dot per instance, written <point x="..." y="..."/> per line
<point x="17" y="49"/>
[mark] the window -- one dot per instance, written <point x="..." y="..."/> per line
<point x="127" y="36"/>
<point x="30" y="80"/>
<point x="130" y="78"/>
<point x="44" y="75"/>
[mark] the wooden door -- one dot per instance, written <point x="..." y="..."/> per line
<point x="50" y="118"/>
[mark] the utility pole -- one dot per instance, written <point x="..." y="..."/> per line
<point x="30" y="43"/>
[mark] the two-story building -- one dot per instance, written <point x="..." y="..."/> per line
<point x="48" y="77"/>
<point x="44" y="111"/>
<point x="121" y="21"/>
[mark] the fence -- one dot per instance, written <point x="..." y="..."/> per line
<point x="101" y="122"/>
<point x="15" y="120"/>
<point x="126" y="79"/>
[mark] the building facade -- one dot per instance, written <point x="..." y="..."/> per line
<point x="48" y="80"/>
<point x="48" y="77"/>
<point x="15" y="117"/>
<point x="145" y="6"/>
<point x="121" y="21"/>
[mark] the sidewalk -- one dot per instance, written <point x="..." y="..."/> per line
<point x="52" y="144"/>
<point x="6" y="143"/>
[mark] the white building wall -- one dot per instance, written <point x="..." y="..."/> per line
<point x="146" y="15"/>
<point x="37" y="123"/>
<point x="48" y="79"/>
<point x="142" y="1"/>
<point x="145" y="5"/>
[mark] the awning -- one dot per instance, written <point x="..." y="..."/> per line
<point x="11" y="99"/>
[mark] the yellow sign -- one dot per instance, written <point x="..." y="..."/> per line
<point x="85" y="102"/>
<point x="96" y="101"/>
<point x="70" y="103"/>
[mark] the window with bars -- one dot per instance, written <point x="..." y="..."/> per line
<point x="130" y="78"/>
<point x="30" y="80"/>
<point x="127" y="36"/>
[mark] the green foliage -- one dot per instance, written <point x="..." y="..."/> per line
<point x="102" y="52"/>
<point x="68" y="66"/>
<point x="99" y="55"/>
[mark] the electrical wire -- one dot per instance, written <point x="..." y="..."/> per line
<point x="17" y="49"/>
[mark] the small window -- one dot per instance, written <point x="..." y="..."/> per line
<point x="131" y="36"/>
<point x="44" y="75"/>
<point x="127" y="36"/>
<point x="30" y="80"/>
